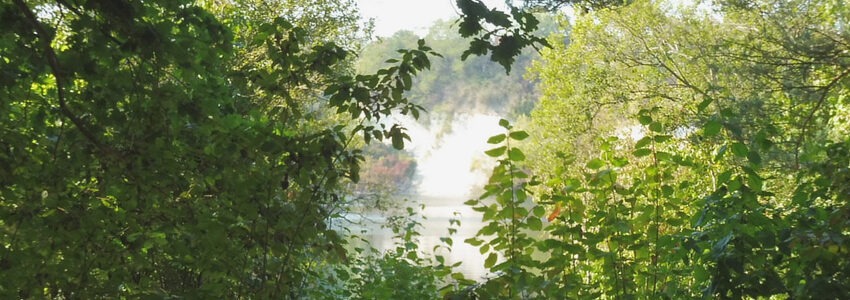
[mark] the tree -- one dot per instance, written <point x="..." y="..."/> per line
<point x="504" y="35"/>
<point x="388" y="178"/>
<point x="686" y="152"/>
<point x="453" y="85"/>
<point x="131" y="168"/>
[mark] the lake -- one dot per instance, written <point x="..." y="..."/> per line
<point x="450" y="165"/>
<point x="435" y="223"/>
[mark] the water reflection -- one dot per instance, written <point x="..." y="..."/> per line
<point x="445" y="152"/>
<point x="434" y="227"/>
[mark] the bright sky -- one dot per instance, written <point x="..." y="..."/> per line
<point x="416" y="15"/>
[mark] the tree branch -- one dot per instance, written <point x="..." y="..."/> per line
<point x="805" y="126"/>
<point x="45" y="40"/>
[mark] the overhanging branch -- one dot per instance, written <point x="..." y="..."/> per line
<point x="53" y="62"/>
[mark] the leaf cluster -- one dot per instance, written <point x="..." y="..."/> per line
<point x="502" y="35"/>
<point x="132" y="167"/>
<point x="684" y="156"/>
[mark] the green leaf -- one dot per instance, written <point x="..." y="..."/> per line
<point x="538" y="211"/>
<point x="643" y="142"/>
<point x="800" y="197"/>
<point x="656" y="127"/>
<point x="516" y="155"/>
<point x="595" y="164"/>
<point x="735" y="184"/>
<point x="664" y="156"/>
<point x="754" y="158"/>
<point x="619" y="162"/>
<point x="739" y="149"/>
<point x="724" y="177"/>
<point x="457" y="276"/>
<point x="661" y="138"/>
<point x="755" y="182"/>
<point x="397" y="93"/>
<point x="408" y="81"/>
<point x="499" y="18"/>
<point x="484" y="249"/>
<point x="496" y="152"/>
<point x="644" y="120"/>
<point x="519" y="135"/>
<point x="504" y="123"/>
<point x="473" y="241"/>
<point x="496" y="139"/>
<point x="476" y="47"/>
<point x="720" y="246"/>
<point x="704" y="104"/>
<point x="642" y="152"/>
<point x="361" y="94"/>
<point x="712" y="128"/>
<point x="535" y="224"/>
<point x="490" y="261"/>
<point x="398" y="141"/>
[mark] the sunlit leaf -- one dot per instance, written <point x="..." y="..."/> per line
<point x="496" y="152"/>
<point x="515" y="154"/>
<point x="643" y="142"/>
<point x="534" y="224"/>
<point x="595" y="164"/>
<point x="656" y="127"/>
<point x="490" y="261"/>
<point x="519" y="135"/>
<point x="538" y="211"/>
<point x="496" y="139"/>
<point x="504" y="123"/>
<point x="642" y="152"/>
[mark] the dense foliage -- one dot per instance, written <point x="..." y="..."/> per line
<point x="454" y="85"/>
<point x="210" y="149"/>
<point x="681" y="151"/>
<point x="133" y="168"/>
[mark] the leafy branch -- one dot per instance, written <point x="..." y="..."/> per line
<point x="509" y="215"/>
<point x="45" y="39"/>
<point x="502" y="35"/>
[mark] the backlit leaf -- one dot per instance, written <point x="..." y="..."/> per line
<point x="496" y="152"/>
<point x="519" y="135"/>
<point x="642" y="152"/>
<point x="516" y="155"/>
<point x="490" y="261"/>
<point x="496" y="139"/>
<point x="595" y="164"/>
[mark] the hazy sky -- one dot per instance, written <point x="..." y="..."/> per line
<point x="394" y="15"/>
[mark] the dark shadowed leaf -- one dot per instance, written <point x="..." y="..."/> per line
<point x="712" y="128"/>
